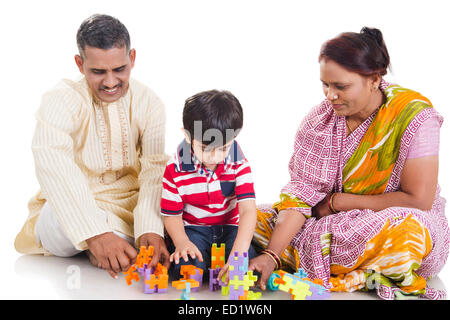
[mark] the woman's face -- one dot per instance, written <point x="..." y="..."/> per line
<point x="349" y="93"/>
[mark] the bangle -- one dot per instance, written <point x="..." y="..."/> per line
<point x="274" y="257"/>
<point x="275" y="261"/>
<point x="330" y="203"/>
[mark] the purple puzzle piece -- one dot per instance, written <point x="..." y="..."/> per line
<point x="234" y="294"/>
<point x="318" y="294"/>
<point x="213" y="282"/>
<point x="314" y="294"/>
<point x="240" y="265"/>
<point x="146" y="287"/>
<point x="142" y="270"/>
<point x="199" y="278"/>
<point x="222" y="284"/>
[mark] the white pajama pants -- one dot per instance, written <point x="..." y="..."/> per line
<point x="51" y="235"/>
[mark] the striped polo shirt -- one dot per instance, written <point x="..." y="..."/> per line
<point x="202" y="196"/>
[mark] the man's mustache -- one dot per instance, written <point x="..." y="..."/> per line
<point x="110" y="88"/>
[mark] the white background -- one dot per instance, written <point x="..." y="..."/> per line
<point x="265" y="52"/>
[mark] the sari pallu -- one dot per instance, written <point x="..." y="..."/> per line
<point x="393" y="250"/>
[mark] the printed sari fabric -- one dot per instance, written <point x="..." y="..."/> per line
<point x="392" y="251"/>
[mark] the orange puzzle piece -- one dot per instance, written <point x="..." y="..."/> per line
<point x="181" y="284"/>
<point x="144" y="256"/>
<point x="217" y="256"/>
<point x="131" y="275"/>
<point x="189" y="270"/>
<point x="158" y="280"/>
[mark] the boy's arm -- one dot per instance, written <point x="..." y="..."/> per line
<point x="247" y="223"/>
<point x="175" y="228"/>
<point x="183" y="246"/>
<point x="246" y="229"/>
<point x="245" y="195"/>
<point x="172" y="206"/>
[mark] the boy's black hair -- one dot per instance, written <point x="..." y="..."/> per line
<point x="213" y="117"/>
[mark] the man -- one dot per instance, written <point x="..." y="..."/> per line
<point x="99" y="155"/>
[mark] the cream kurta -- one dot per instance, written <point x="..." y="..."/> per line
<point x="92" y="156"/>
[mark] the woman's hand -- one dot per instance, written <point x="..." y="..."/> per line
<point x="322" y="209"/>
<point x="265" y="266"/>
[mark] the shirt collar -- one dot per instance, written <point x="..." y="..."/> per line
<point x="188" y="162"/>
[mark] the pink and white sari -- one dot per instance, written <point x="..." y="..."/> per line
<point x="393" y="250"/>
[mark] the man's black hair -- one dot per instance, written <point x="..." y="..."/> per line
<point x="103" y="32"/>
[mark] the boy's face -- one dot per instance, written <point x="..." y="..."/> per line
<point x="208" y="156"/>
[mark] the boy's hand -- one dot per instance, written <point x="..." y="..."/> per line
<point x="160" y="253"/>
<point x="224" y="271"/>
<point x="112" y="253"/>
<point x="188" y="248"/>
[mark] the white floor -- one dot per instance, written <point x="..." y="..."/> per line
<point x="38" y="277"/>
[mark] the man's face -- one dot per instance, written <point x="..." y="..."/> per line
<point x="107" y="71"/>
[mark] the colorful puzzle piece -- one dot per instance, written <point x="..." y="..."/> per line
<point x="299" y="288"/>
<point x="181" y="284"/>
<point x="214" y="284"/>
<point x="155" y="279"/>
<point x="186" y="285"/>
<point x="248" y="281"/>
<point x="240" y="279"/>
<point x="236" y="292"/>
<point x="217" y="263"/>
<point x="192" y="272"/>
<point x="131" y="274"/>
<point x="144" y="257"/>
<point x="217" y="256"/>
<point x="238" y="265"/>
<point x="185" y="292"/>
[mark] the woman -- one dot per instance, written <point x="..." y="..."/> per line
<point x="364" y="175"/>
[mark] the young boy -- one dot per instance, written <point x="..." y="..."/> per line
<point x="208" y="194"/>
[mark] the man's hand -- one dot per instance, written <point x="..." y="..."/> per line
<point x="111" y="253"/>
<point x="160" y="253"/>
